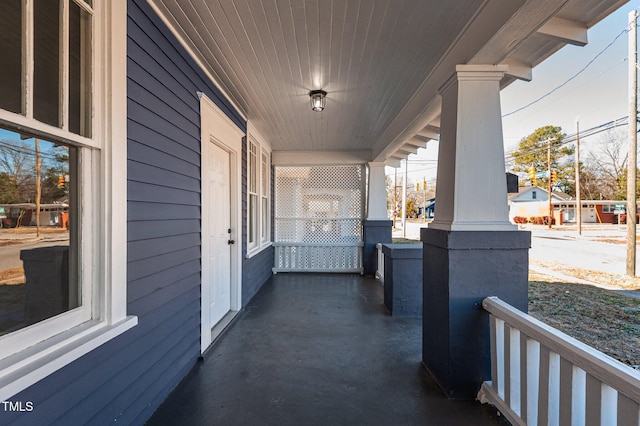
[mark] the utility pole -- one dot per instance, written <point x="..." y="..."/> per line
<point x="578" y="200"/>
<point x="633" y="143"/>
<point x="395" y="196"/>
<point x="549" y="180"/>
<point x="424" y="199"/>
<point x="404" y="199"/>
<point x="38" y="186"/>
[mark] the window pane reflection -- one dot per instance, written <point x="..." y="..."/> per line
<point x="38" y="249"/>
<point x="46" y="52"/>
<point x="79" y="71"/>
<point x="11" y="54"/>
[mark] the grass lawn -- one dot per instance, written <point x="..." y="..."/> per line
<point x="603" y="319"/>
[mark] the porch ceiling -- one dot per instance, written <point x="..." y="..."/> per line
<point x="381" y="61"/>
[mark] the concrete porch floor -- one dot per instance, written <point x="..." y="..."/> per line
<point x="317" y="349"/>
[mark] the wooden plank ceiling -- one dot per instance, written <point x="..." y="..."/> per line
<point x="380" y="61"/>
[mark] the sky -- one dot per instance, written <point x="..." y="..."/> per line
<point x="596" y="96"/>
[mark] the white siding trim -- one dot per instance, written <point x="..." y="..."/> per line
<point x="25" y="369"/>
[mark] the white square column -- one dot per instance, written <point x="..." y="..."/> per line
<point x="376" y="228"/>
<point x="471" y="189"/>
<point x="377" y="194"/>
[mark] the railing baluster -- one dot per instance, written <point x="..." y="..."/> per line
<point x="500" y="357"/>
<point x="541" y="376"/>
<point x="380" y="268"/>
<point x="494" y="352"/>
<point x="514" y="370"/>
<point x="609" y="406"/>
<point x="524" y="371"/>
<point x="543" y="387"/>
<point x="533" y="381"/>
<point x="578" y="396"/>
<point x="554" y="389"/>
<point x="507" y="364"/>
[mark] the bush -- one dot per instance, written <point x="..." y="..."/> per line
<point x="541" y="220"/>
<point x="623" y="218"/>
<point x="520" y="219"/>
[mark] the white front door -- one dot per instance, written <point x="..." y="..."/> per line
<point x="221" y="216"/>
<point x="220" y="233"/>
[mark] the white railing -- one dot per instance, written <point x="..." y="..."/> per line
<point x="317" y="257"/>
<point x="380" y="268"/>
<point x="541" y="376"/>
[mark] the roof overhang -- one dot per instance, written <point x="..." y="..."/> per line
<point x="380" y="62"/>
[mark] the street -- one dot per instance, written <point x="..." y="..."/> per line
<point x="601" y="247"/>
<point x="10" y="254"/>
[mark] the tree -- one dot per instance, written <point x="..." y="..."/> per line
<point x="51" y="192"/>
<point x="590" y="184"/>
<point x="8" y="189"/>
<point x="609" y="164"/>
<point x="411" y="209"/>
<point x="19" y="171"/>
<point x="17" y="164"/>
<point x="531" y="155"/>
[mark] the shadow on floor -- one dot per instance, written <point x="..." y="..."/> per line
<point x="317" y="349"/>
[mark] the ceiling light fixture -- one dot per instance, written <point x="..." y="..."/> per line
<point x="317" y="99"/>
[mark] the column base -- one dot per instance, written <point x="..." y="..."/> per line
<point x="460" y="269"/>
<point x="403" y="279"/>
<point x="374" y="232"/>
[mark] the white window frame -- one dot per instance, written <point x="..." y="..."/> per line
<point x="253" y="191"/>
<point x="265" y="197"/>
<point x="33" y="353"/>
<point x="262" y="192"/>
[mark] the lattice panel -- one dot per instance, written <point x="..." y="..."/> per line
<point x="317" y="207"/>
<point x="319" y="230"/>
<point x="318" y="258"/>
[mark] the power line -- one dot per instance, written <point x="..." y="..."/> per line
<point x="567" y="139"/>
<point x="570" y="78"/>
<point x="26" y="150"/>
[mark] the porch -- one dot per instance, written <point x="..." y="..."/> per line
<point x="317" y="349"/>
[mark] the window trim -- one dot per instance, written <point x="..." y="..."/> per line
<point x="253" y="137"/>
<point x="265" y="195"/>
<point x="107" y="232"/>
<point x="253" y="190"/>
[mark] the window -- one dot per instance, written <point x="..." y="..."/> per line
<point x="252" y="215"/>
<point x="38" y="185"/>
<point x="534" y="195"/>
<point x="258" y="188"/>
<point x="608" y="208"/>
<point x="265" y="167"/>
<point x="63" y="163"/>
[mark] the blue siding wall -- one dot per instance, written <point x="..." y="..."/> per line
<point x="256" y="270"/>
<point x="126" y="379"/>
